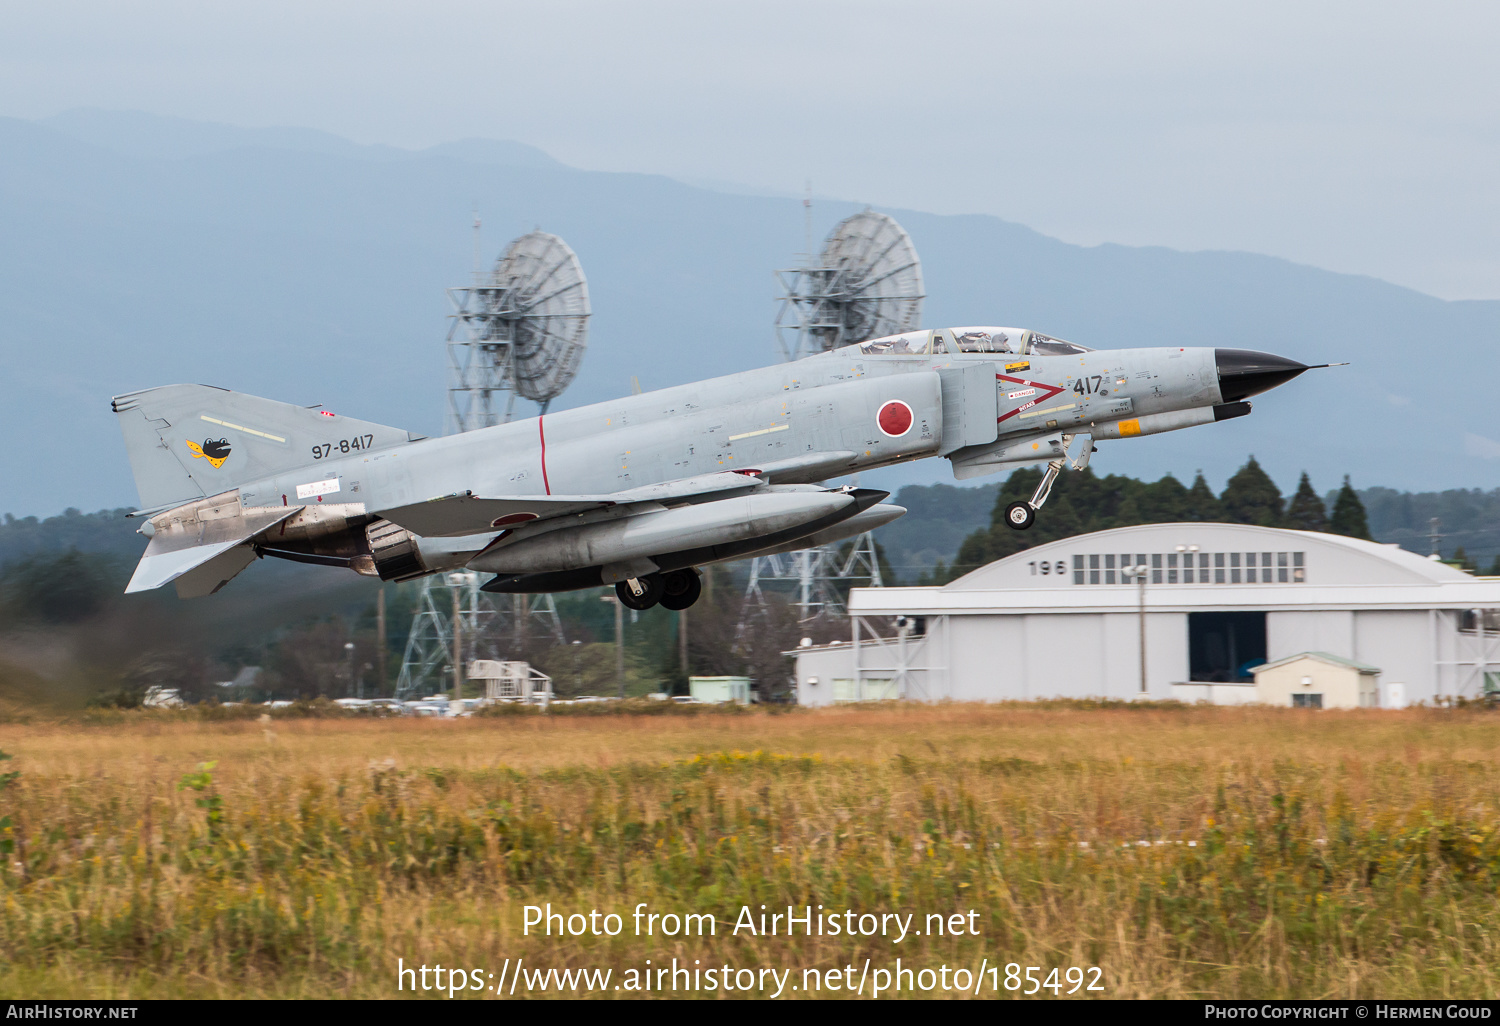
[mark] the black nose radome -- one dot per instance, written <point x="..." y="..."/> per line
<point x="1244" y="372"/>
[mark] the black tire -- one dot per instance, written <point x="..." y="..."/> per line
<point x="1019" y="516"/>
<point x="680" y="589"/>
<point x="646" y="599"/>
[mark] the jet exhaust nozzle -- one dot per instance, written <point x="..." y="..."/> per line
<point x="1244" y="372"/>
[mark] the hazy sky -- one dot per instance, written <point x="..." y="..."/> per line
<point x="1360" y="137"/>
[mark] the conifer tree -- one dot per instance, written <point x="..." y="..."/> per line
<point x="1349" y="514"/>
<point x="1200" y="504"/>
<point x="1251" y="497"/>
<point x="1306" y="511"/>
<point x="1160" y="502"/>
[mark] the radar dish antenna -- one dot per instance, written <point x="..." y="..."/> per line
<point x="867" y="283"/>
<point x="519" y="330"/>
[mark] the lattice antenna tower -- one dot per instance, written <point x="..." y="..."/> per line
<point x="518" y="330"/>
<point x="866" y="283"/>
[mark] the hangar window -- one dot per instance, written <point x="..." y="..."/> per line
<point x="1224" y="647"/>
<point x="1181" y="568"/>
<point x="1302" y="700"/>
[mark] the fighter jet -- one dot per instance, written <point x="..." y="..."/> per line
<point x="642" y="491"/>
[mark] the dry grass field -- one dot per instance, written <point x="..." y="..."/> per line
<point x="1187" y="852"/>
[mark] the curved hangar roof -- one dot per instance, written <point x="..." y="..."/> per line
<point x="1195" y="566"/>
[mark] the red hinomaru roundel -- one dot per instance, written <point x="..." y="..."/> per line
<point x="894" y="418"/>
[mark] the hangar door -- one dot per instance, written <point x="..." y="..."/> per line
<point x="1222" y="647"/>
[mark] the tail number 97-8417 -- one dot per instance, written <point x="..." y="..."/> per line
<point x="343" y="445"/>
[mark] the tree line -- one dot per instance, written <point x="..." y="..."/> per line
<point x="1085" y="502"/>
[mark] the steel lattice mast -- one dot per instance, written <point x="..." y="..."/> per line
<point x="866" y="283"/>
<point x="518" y="330"/>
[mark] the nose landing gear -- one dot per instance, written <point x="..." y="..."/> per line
<point x="1021" y="515"/>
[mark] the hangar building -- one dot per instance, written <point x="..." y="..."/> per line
<point x="1068" y="619"/>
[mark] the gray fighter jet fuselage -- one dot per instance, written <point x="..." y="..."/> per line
<point x="640" y="491"/>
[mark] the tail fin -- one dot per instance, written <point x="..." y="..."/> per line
<point x="192" y="441"/>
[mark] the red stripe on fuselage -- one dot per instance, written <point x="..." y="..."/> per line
<point x="541" y="433"/>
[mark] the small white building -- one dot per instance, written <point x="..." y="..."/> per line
<point x="720" y="690"/>
<point x="1067" y="619"/>
<point x="511" y="681"/>
<point x="1317" y="680"/>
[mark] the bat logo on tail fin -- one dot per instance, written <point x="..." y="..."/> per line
<point x="215" y="450"/>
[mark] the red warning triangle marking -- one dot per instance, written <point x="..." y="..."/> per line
<point x="1051" y="391"/>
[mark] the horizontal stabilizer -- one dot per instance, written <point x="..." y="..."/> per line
<point x="196" y="544"/>
<point x="158" y="568"/>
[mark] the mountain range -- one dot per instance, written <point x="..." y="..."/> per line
<point x="139" y="250"/>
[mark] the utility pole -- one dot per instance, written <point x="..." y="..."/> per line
<point x="619" y="640"/>
<point x="458" y="648"/>
<point x="380" y="637"/>
<point x="682" y="641"/>
<point x="620" y="645"/>
<point x="1140" y="571"/>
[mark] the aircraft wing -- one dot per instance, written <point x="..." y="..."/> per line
<point x="455" y="516"/>
<point x="201" y="545"/>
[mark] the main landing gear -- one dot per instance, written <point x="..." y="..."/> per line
<point x="1021" y="515"/>
<point x="675" y="589"/>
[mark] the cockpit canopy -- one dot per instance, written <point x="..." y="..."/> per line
<point x="950" y="341"/>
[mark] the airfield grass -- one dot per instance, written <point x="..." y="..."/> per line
<point x="1186" y="851"/>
